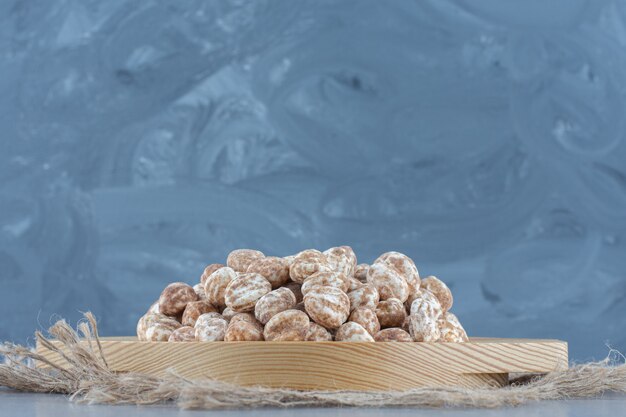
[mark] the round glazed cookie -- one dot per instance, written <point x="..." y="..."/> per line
<point x="242" y="331"/>
<point x="289" y="325"/>
<point x="439" y="290"/>
<point x="215" y="285"/>
<point x="451" y="329"/>
<point x="175" y="297"/>
<point x="307" y="263"/>
<point x="240" y="259"/>
<point x="403" y="265"/>
<point x="273" y="303"/>
<point x="341" y="259"/>
<point x="327" y="306"/>
<point x="325" y="279"/>
<point x="244" y="291"/>
<point x="194" y="309"/>
<point x="208" y="271"/>
<point x="352" y="332"/>
<point x="210" y="327"/>
<point x="183" y="334"/>
<point x="427" y="304"/>
<point x="393" y="334"/>
<point x="388" y="282"/>
<point x="364" y="296"/>
<point x="317" y="333"/>
<point x="423" y="328"/>
<point x="273" y="269"/>
<point x="366" y="318"/>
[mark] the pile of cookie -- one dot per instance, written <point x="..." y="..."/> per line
<point x="311" y="296"/>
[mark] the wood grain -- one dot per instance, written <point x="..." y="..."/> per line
<point x="333" y="365"/>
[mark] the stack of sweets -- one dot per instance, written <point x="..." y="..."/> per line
<point x="311" y="296"/>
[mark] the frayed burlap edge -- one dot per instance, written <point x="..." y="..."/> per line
<point x="89" y="379"/>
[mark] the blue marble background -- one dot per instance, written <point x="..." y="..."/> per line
<point x="486" y="139"/>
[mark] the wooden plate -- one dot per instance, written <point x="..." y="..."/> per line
<point x="336" y="365"/>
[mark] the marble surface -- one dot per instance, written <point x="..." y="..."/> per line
<point x="486" y="139"/>
<point x="43" y="405"/>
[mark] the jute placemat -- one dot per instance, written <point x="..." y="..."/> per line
<point x="88" y="379"/>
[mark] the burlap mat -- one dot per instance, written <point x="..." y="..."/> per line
<point x="88" y="379"/>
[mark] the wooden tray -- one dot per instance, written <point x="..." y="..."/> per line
<point x="335" y="365"/>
